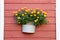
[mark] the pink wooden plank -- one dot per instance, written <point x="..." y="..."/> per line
<point x="30" y="1"/>
<point x="12" y="20"/>
<point x="16" y="27"/>
<point x="50" y="34"/>
<point x="29" y="39"/>
<point x="40" y="6"/>
<point x="10" y="13"/>
<point x="13" y="31"/>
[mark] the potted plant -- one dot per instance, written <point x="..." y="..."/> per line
<point x="29" y="18"/>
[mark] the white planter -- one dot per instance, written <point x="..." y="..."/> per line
<point x="28" y="28"/>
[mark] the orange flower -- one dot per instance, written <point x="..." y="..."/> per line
<point x="34" y="11"/>
<point x="16" y="13"/>
<point x="45" y="13"/>
<point x="41" y="10"/>
<point x="22" y="8"/>
<point x="28" y="9"/>
<point x="36" y="8"/>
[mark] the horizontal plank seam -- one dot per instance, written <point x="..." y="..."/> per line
<point x="48" y="23"/>
<point x="37" y="30"/>
<point x="17" y="24"/>
<point x="29" y="3"/>
<point x="43" y="10"/>
<point x="16" y="10"/>
<point x="31" y="37"/>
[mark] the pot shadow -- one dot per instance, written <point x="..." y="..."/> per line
<point x="27" y="33"/>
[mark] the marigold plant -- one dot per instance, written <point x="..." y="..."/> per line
<point x="35" y="16"/>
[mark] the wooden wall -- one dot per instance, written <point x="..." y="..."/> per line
<point x="12" y="31"/>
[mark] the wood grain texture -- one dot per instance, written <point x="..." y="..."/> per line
<point x="50" y="34"/>
<point x="16" y="27"/>
<point x="13" y="31"/>
<point x="40" y="6"/>
<point x="29" y="1"/>
<point x="28" y="38"/>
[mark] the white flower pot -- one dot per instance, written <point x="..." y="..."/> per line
<point x="28" y="28"/>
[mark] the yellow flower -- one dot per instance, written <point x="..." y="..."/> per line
<point x="31" y="15"/>
<point x="22" y="14"/>
<point x="37" y="17"/>
<point x="36" y="20"/>
<point x="18" y="17"/>
<point x="34" y="14"/>
<point x="38" y="12"/>
<point x="44" y="15"/>
<point x="16" y="14"/>
<point x="25" y="13"/>
<point x="31" y="12"/>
